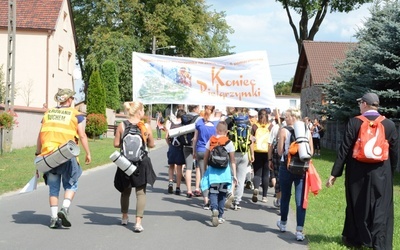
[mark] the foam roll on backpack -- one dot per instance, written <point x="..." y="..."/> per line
<point x="123" y="163"/>
<point x="63" y="153"/>
<point x="175" y="132"/>
<point x="300" y="131"/>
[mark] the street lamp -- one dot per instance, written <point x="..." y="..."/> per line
<point x="154" y="48"/>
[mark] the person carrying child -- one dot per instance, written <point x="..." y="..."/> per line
<point x="218" y="176"/>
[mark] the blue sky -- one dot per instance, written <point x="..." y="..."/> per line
<point x="264" y="25"/>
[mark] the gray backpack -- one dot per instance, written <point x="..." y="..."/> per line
<point x="133" y="146"/>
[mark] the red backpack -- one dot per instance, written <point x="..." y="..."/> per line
<point x="371" y="145"/>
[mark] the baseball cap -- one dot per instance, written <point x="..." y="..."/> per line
<point x="370" y="98"/>
<point x="63" y="95"/>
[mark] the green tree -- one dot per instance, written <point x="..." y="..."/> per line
<point x="114" y="29"/>
<point x="109" y="78"/>
<point x="374" y="65"/>
<point x="316" y="10"/>
<point x="283" y="88"/>
<point x="96" y="99"/>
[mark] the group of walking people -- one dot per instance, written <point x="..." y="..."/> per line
<point x="263" y="146"/>
<point x="252" y="135"/>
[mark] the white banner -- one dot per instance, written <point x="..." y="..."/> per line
<point x="239" y="80"/>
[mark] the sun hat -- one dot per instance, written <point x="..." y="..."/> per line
<point x="63" y="95"/>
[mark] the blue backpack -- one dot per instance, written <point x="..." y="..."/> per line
<point x="240" y="132"/>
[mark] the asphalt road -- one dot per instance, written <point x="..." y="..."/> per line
<point x="170" y="221"/>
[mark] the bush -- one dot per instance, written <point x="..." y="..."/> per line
<point x="6" y="120"/>
<point x="96" y="124"/>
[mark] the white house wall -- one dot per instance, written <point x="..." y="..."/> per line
<point x="31" y="69"/>
<point x="286" y="102"/>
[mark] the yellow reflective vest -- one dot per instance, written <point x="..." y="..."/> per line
<point x="59" y="125"/>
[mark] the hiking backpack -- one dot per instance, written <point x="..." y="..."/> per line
<point x="371" y="145"/>
<point x="175" y="141"/>
<point x="187" y="119"/>
<point x="219" y="156"/>
<point x="294" y="164"/>
<point x="133" y="146"/>
<point x="275" y="156"/>
<point x="240" y="132"/>
<point x="262" y="137"/>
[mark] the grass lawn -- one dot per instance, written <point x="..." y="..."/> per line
<point x="325" y="213"/>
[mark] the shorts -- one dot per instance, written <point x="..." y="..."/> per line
<point x="54" y="179"/>
<point x="175" y="155"/>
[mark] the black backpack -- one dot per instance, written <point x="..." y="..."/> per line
<point x="132" y="144"/>
<point x="175" y="141"/>
<point x="295" y="165"/>
<point x="219" y="156"/>
<point x="186" y="119"/>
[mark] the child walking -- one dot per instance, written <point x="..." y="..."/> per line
<point x="218" y="180"/>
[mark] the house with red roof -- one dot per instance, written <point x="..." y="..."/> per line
<point x="45" y="45"/>
<point x="315" y="67"/>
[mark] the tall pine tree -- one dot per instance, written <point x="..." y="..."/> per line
<point x="374" y="65"/>
<point x="109" y="78"/>
<point x="96" y="100"/>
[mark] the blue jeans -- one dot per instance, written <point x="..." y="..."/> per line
<point x="62" y="174"/>
<point x="286" y="180"/>
<point x="217" y="198"/>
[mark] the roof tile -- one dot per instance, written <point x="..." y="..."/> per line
<point x="32" y="14"/>
<point x="322" y="57"/>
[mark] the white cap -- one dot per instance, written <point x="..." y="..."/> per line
<point x="253" y="112"/>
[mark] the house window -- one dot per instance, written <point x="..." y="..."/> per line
<point x="293" y="103"/>
<point x="70" y="64"/>
<point x="65" y="19"/>
<point x="60" y="58"/>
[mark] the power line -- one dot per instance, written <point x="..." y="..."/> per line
<point x="283" y="64"/>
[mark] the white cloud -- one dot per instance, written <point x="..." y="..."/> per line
<point x="264" y="25"/>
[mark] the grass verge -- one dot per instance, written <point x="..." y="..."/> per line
<point x="325" y="213"/>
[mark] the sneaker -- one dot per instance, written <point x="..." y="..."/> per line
<point x="236" y="206"/>
<point x="170" y="187"/>
<point x="255" y="194"/>
<point x="54" y="223"/>
<point x="277" y="202"/>
<point x="214" y="218"/>
<point x="281" y="226"/>
<point x="249" y="185"/>
<point x="299" y="236"/>
<point x="197" y="193"/>
<point x="264" y="199"/>
<point x="229" y="200"/>
<point x="221" y="220"/>
<point x="206" y="206"/>
<point x="124" y="222"/>
<point x="138" y="229"/>
<point x="178" y="191"/>
<point x="63" y="215"/>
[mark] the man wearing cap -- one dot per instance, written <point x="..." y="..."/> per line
<point x="60" y="125"/>
<point x="369" y="186"/>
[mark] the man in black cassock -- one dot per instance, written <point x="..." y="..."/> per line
<point x="369" y="186"/>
